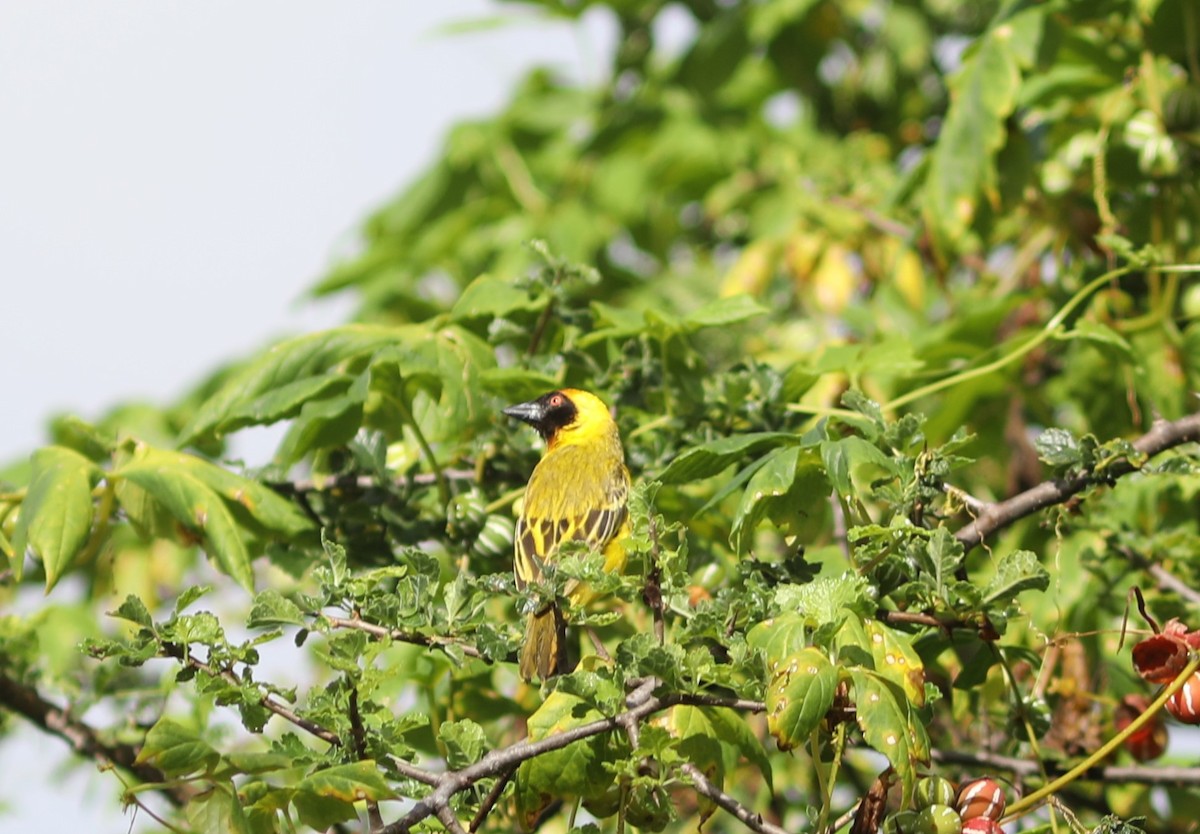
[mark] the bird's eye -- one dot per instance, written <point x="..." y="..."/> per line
<point x="556" y="401"/>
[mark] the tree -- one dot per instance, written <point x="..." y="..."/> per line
<point x="890" y="300"/>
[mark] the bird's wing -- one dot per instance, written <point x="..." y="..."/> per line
<point x="539" y="534"/>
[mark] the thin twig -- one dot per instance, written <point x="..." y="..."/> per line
<point x="1162" y="436"/>
<point x="1165" y="579"/>
<point x="359" y="735"/>
<point x="411" y="771"/>
<point x="266" y="701"/>
<point x="303" y="485"/>
<point x="493" y="796"/>
<point x="652" y="592"/>
<point x="415" y="638"/>
<point x="24" y="700"/>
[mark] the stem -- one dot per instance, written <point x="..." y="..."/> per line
<point x="504" y="500"/>
<point x="656" y="423"/>
<point x="103" y="517"/>
<point x="427" y="450"/>
<point x="839" y="746"/>
<point x="824" y="786"/>
<point x="1027" y="803"/>
<point x="1048" y="331"/>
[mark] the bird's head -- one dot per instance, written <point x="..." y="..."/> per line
<point x="567" y="415"/>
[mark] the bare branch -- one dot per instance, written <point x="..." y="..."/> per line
<point x="491" y="799"/>
<point x="24" y="700"/>
<point x="639" y="704"/>
<point x="1162" y="436"/>
<point x="1141" y="774"/>
<point x="1165" y="579"/>
<point x="359" y="737"/>
<point x="446" y="816"/>
<point x="652" y="593"/>
<point x="367" y="481"/>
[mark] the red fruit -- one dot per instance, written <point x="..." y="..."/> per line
<point x="1185" y="703"/>
<point x="1161" y="657"/>
<point x="981" y="825"/>
<point x="1150" y="741"/>
<point x="981" y="798"/>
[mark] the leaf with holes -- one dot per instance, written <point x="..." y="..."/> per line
<point x="800" y="693"/>
<point x="890" y="727"/>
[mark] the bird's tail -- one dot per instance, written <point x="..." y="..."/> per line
<point x="544" y="651"/>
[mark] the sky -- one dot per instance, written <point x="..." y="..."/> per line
<point x="173" y="177"/>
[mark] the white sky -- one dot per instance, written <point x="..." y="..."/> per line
<point x="173" y="175"/>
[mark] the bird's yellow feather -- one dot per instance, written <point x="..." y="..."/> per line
<point x="577" y="492"/>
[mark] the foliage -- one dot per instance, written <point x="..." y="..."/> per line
<point x="851" y="274"/>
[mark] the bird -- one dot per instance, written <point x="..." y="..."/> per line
<point x="577" y="492"/>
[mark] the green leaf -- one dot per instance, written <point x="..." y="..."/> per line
<point x="465" y="742"/>
<point x="779" y="637"/>
<point x="890" y="726"/>
<point x="1101" y="335"/>
<point x="575" y="770"/>
<point x="828" y="599"/>
<point x="800" y="693"/>
<point x="983" y="94"/>
<point x="271" y="608"/>
<point x="783" y="489"/>
<point x="897" y="660"/>
<point x="1016" y="572"/>
<point x="177" y="750"/>
<point x="189" y="595"/>
<point x="1058" y="447"/>
<point x="517" y="384"/>
<point x="844" y="457"/>
<point x="197" y="508"/>
<point x="56" y="515"/>
<point x="135" y="611"/>
<point x="699" y="462"/>
<point x="267" y="508"/>
<point x="275" y="385"/>
<point x="491" y="297"/>
<point x="723" y="311"/>
<point x="352" y="782"/>
<point x="217" y="810"/>
<point x="327" y="797"/>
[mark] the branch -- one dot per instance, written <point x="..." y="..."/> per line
<point x="25" y="701"/>
<point x="1163" y="435"/>
<point x="367" y="481"/>
<point x="1177" y="776"/>
<point x="1166" y="580"/>
<point x="284" y="712"/>
<point x="750" y="819"/>
<point x="639" y="704"/>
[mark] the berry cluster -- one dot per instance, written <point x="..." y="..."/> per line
<point x="975" y="808"/>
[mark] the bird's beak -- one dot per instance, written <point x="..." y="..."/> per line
<point x="531" y="412"/>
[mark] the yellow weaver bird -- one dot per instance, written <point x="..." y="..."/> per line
<point x="577" y="492"/>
